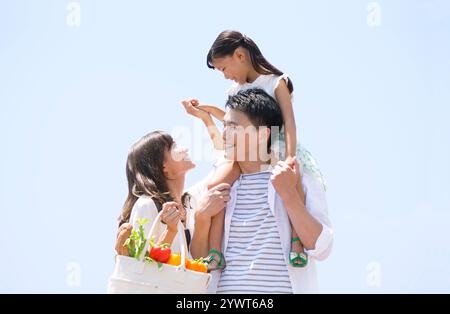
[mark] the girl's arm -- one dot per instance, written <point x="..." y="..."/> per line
<point x="214" y="110"/>
<point x="205" y="116"/>
<point x="284" y="100"/>
<point x="214" y="133"/>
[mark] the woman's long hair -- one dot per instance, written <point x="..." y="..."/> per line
<point x="228" y="41"/>
<point x="145" y="174"/>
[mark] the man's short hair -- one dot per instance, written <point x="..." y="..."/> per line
<point x="260" y="108"/>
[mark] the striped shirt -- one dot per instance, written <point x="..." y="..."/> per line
<point x="255" y="261"/>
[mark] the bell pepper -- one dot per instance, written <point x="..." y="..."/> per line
<point x="160" y="253"/>
<point x="174" y="259"/>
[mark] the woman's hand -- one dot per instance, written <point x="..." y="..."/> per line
<point x="190" y="105"/>
<point x="172" y="213"/>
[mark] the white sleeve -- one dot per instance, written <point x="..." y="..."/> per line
<point x="145" y="207"/>
<point x="233" y="90"/>
<point x="278" y="80"/>
<point x="196" y="192"/>
<point x="316" y="204"/>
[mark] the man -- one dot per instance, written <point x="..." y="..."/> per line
<point x="256" y="241"/>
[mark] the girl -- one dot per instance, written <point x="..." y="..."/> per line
<point x="240" y="60"/>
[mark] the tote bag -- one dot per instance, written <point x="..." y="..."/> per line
<point x="133" y="275"/>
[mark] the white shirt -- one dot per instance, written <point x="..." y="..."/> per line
<point x="145" y="207"/>
<point x="254" y="255"/>
<point x="303" y="280"/>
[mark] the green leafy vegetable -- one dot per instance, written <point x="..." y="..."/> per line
<point x="136" y="242"/>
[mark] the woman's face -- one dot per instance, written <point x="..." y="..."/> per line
<point x="177" y="162"/>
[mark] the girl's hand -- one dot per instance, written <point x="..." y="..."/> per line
<point x="172" y="213"/>
<point x="190" y="105"/>
<point x="285" y="176"/>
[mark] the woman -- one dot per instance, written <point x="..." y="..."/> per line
<point x="156" y="170"/>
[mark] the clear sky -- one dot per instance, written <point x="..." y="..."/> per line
<point x="372" y="81"/>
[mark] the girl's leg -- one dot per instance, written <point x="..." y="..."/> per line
<point x="228" y="172"/>
<point x="216" y="258"/>
<point x="298" y="257"/>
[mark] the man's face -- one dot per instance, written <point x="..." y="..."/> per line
<point x="243" y="141"/>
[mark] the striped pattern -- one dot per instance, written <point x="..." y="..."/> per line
<point x="255" y="262"/>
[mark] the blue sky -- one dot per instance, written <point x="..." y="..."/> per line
<point x="371" y="103"/>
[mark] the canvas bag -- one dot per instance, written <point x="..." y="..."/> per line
<point x="135" y="276"/>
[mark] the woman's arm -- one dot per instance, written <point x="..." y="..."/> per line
<point x="172" y="213"/>
<point x="284" y="100"/>
<point x="167" y="237"/>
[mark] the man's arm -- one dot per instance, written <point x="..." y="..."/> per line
<point x="306" y="226"/>
<point x="312" y="223"/>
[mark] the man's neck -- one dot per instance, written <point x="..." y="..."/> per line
<point x="253" y="166"/>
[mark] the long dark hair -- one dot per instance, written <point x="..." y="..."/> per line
<point x="145" y="174"/>
<point x="228" y="41"/>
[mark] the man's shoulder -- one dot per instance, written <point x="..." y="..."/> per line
<point x="312" y="182"/>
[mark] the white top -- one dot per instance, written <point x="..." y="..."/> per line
<point x="254" y="256"/>
<point x="268" y="83"/>
<point x="145" y="207"/>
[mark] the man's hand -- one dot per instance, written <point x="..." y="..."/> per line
<point x="122" y="235"/>
<point x="213" y="201"/>
<point x="285" y="176"/>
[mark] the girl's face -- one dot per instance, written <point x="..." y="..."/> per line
<point x="177" y="162"/>
<point x="234" y="67"/>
